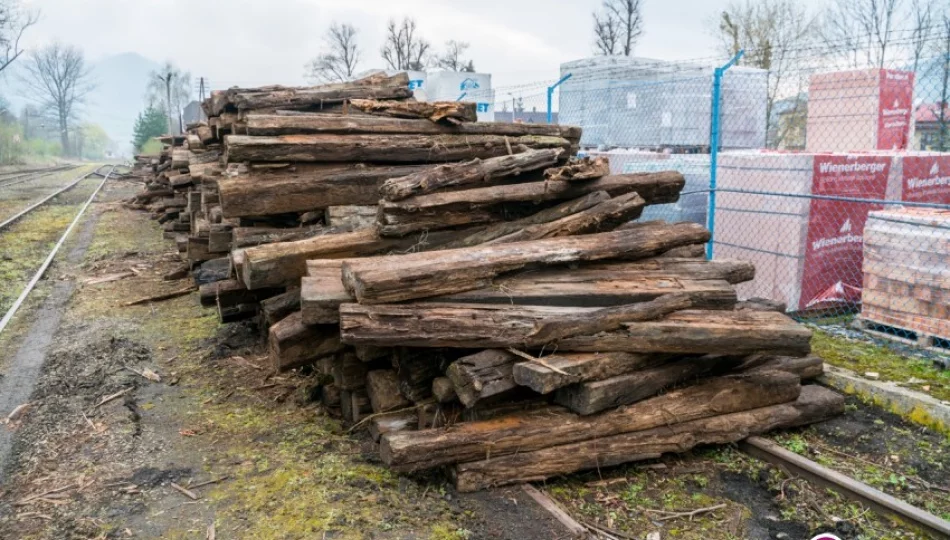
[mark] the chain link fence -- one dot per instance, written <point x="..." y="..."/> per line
<point x="831" y="174"/>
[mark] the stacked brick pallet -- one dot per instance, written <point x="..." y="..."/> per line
<point x="907" y="273"/>
<point x="465" y="290"/>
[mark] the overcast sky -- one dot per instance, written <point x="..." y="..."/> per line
<point x="255" y="42"/>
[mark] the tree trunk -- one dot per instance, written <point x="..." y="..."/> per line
<point x="420" y="275"/>
<point x="552" y="425"/>
<point x="489" y="204"/>
<point x="477" y="171"/>
<point x="813" y="405"/>
<point x="380" y="148"/>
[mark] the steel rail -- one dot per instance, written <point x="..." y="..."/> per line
<point x="36" y="175"/>
<point x="9" y="221"/>
<point x="877" y="500"/>
<point x="52" y="254"/>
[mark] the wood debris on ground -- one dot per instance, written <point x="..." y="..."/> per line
<point x="469" y="293"/>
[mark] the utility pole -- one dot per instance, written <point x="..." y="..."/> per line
<point x="167" y="79"/>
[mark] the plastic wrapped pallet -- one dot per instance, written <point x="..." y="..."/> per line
<point x="640" y="102"/>
<point x="807" y="252"/>
<point x="851" y="111"/>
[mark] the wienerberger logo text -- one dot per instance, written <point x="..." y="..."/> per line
<point x="934" y="180"/>
<point x="851" y="167"/>
<point x="895" y="110"/>
<point x="896" y="76"/>
<point x="844" y="237"/>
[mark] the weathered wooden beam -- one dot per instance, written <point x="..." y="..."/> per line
<point x="380" y="148"/>
<point x="813" y="405"/>
<point x="553" y="425"/>
<point x="307" y="124"/>
<point x="293" y="344"/>
<point x="503" y="326"/>
<point x="489" y="204"/>
<point x="457" y="175"/>
<point x="420" y="275"/>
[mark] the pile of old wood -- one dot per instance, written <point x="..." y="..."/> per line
<point x="468" y="293"/>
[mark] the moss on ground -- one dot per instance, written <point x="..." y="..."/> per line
<point x="860" y="357"/>
<point x="293" y="471"/>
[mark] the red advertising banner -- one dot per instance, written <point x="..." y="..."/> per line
<point x="926" y="179"/>
<point x="834" y="250"/>
<point x="896" y="105"/>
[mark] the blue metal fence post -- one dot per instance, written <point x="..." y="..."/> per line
<point x="714" y="133"/>
<point x="551" y="95"/>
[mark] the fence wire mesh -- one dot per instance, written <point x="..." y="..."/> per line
<point x="831" y="172"/>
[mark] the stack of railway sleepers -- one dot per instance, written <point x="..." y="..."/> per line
<point x="452" y="282"/>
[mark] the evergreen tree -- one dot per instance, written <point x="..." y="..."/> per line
<point x="150" y="123"/>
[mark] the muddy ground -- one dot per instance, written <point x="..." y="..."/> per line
<point x="101" y="448"/>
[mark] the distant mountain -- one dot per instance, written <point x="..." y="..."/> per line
<point x="117" y="99"/>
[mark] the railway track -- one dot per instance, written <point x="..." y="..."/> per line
<point x="52" y="254"/>
<point x="796" y="465"/>
<point x="20" y="177"/>
<point x="19" y="215"/>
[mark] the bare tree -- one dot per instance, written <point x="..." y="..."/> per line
<point x="772" y="33"/>
<point x="619" y="27"/>
<point x="922" y="30"/>
<point x="943" y="48"/>
<point x="170" y="87"/>
<point x="606" y="34"/>
<point x="404" y="49"/>
<point x="57" y="76"/>
<point x="862" y="29"/>
<point x="452" y="59"/>
<point x="338" y="61"/>
<point x="14" y="21"/>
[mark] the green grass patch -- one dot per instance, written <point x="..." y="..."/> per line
<point x="863" y="357"/>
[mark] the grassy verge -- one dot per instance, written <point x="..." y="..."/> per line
<point x="860" y="357"/>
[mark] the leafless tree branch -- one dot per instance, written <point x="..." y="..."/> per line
<point x="58" y="76"/>
<point x="403" y="49"/>
<point x="452" y="59"/>
<point x="338" y="62"/>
